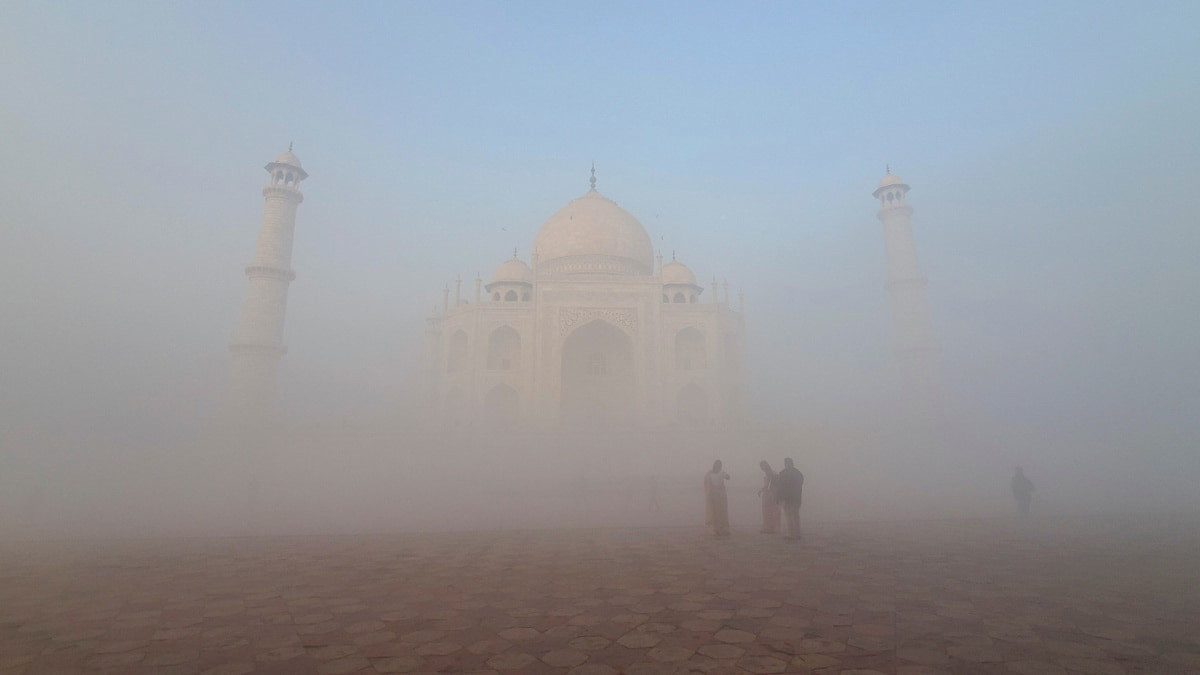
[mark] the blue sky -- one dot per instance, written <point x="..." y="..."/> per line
<point x="1052" y="150"/>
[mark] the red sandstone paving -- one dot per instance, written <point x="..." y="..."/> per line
<point x="1044" y="596"/>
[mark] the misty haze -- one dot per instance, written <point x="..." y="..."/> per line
<point x="599" y="338"/>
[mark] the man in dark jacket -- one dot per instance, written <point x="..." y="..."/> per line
<point x="788" y="493"/>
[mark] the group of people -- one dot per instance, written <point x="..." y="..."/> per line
<point x="780" y="495"/>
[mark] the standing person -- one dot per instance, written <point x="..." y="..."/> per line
<point x="1022" y="489"/>
<point x="790" y="484"/>
<point x="716" y="503"/>
<point x="770" y="507"/>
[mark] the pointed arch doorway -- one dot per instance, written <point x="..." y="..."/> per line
<point x="598" y="378"/>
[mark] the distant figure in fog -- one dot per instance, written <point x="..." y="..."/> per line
<point x="1022" y="489"/>
<point x="770" y="507"/>
<point x="789" y="488"/>
<point x="654" y="505"/>
<point x="716" y="503"/>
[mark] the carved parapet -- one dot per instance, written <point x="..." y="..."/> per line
<point x="270" y="272"/>
<point x="283" y="191"/>
<point x="570" y="318"/>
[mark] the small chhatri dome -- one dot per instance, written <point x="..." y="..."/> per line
<point x="513" y="270"/>
<point x="289" y="160"/>
<point x="676" y="272"/>
<point x="592" y="235"/>
<point x="890" y="180"/>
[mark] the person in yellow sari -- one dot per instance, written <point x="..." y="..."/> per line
<point x="716" y="502"/>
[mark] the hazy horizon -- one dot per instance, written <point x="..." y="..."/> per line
<point x="1051" y="150"/>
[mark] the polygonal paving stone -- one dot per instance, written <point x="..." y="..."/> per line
<point x="563" y="633"/>
<point x="437" y="648"/>
<point x="564" y="658"/>
<point x="420" y="636"/>
<point x="656" y="668"/>
<point x="118" y="646"/>
<point x="637" y="640"/>
<point x="923" y="656"/>
<point x="397" y="664"/>
<point x="701" y="625"/>
<point x="819" y="646"/>
<point x="328" y="652"/>
<point x="975" y="654"/>
<point x="510" y="661"/>
<point x="170" y="658"/>
<point x="721" y="651"/>
<point x="763" y="664"/>
<point x="593" y="669"/>
<point x="342" y="666"/>
<point x="870" y="644"/>
<point x="629" y="619"/>
<point x="308" y="619"/>
<point x="590" y="643"/>
<point x="285" y="653"/>
<point x="235" y="668"/>
<point x="670" y="653"/>
<point x="734" y="636"/>
<point x="365" y="627"/>
<point x="494" y="646"/>
<point x="519" y="633"/>
<point x="813" y="661"/>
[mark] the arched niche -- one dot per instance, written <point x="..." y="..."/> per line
<point x="504" y="349"/>
<point x="690" y="352"/>
<point x="598" y="377"/>
<point x="456" y="354"/>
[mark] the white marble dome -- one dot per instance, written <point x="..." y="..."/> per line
<point x="513" y="270"/>
<point x="289" y="159"/>
<point x="676" y="272"/>
<point x="592" y="235"/>
<point x="890" y="180"/>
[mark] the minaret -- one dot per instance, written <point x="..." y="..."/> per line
<point x="912" y="333"/>
<point x="258" y="341"/>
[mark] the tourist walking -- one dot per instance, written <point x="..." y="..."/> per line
<point x="789" y="489"/>
<point x="716" y="502"/>
<point x="770" y="506"/>
<point x="1022" y="489"/>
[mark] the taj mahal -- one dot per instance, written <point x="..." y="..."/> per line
<point x="593" y="331"/>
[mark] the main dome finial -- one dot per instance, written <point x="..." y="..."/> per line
<point x="593" y="180"/>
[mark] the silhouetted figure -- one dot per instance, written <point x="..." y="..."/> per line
<point x="789" y="489"/>
<point x="1022" y="489"/>
<point x="770" y="506"/>
<point x="716" y="503"/>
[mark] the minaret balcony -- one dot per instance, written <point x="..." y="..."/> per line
<point x="270" y="273"/>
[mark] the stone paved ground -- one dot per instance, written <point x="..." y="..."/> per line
<point x="1049" y="596"/>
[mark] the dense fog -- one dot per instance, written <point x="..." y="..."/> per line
<point x="1052" y="155"/>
